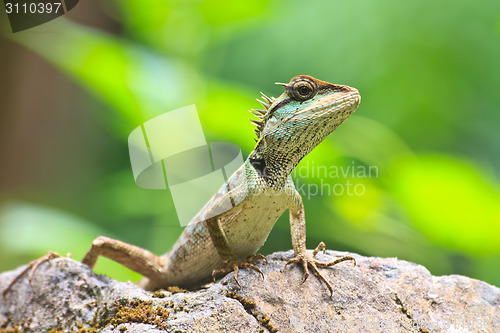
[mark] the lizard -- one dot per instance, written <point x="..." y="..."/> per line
<point x="261" y="190"/>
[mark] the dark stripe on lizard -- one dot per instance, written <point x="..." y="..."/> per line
<point x="288" y="100"/>
<point x="219" y="238"/>
<point x="279" y="105"/>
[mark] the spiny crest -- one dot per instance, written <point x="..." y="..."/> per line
<point x="260" y="114"/>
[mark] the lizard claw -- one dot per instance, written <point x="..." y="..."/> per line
<point x="234" y="266"/>
<point x="31" y="267"/>
<point x="307" y="261"/>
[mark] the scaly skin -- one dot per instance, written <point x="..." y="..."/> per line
<point x="223" y="240"/>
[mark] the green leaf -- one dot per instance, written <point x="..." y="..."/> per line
<point x="453" y="202"/>
<point x="28" y="230"/>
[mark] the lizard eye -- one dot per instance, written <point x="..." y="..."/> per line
<point x="302" y="90"/>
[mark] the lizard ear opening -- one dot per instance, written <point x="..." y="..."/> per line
<point x="259" y="164"/>
<point x="271" y="122"/>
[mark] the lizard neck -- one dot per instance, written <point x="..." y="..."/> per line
<point x="274" y="167"/>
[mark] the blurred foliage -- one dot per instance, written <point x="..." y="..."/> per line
<point x="428" y="73"/>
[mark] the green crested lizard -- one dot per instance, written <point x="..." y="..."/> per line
<point x="288" y="128"/>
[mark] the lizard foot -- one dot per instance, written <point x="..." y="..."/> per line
<point x="234" y="266"/>
<point x="307" y="261"/>
<point x="31" y="268"/>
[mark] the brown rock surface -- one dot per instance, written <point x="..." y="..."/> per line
<point x="378" y="295"/>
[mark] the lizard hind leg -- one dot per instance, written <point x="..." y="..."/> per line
<point x="235" y="265"/>
<point x="232" y="262"/>
<point x="133" y="257"/>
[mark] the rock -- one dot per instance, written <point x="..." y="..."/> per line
<point x="377" y="295"/>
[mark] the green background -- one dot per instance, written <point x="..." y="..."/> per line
<point x="428" y="73"/>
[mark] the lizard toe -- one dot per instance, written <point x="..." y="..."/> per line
<point x="234" y="266"/>
<point x="31" y="268"/>
<point x="307" y="261"/>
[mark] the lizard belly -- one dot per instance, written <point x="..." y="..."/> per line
<point x="193" y="258"/>
<point x="248" y="230"/>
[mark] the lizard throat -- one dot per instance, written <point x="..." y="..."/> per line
<point x="273" y="169"/>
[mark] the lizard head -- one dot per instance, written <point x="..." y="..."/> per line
<point x="298" y="120"/>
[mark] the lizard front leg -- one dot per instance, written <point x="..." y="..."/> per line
<point x="302" y="257"/>
<point x="233" y="263"/>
